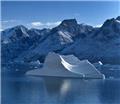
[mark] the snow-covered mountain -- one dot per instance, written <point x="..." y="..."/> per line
<point x="13" y="34"/>
<point x="102" y="44"/>
<point x="58" y="39"/>
<point x="18" y="39"/>
<point x="84" y="41"/>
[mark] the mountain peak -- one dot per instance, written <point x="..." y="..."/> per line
<point x="109" y="30"/>
<point x="118" y="18"/>
<point x="69" y="22"/>
<point x="18" y="32"/>
<point x="20" y="27"/>
<point x="109" y="22"/>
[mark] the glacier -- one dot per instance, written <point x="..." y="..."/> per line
<point x="66" y="66"/>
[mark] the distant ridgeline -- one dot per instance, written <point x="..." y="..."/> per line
<point x="20" y="44"/>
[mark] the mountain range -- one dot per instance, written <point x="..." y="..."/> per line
<point x="20" y="44"/>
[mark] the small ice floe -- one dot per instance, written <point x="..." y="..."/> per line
<point x="111" y="69"/>
<point x="35" y="67"/>
<point x="111" y="77"/>
<point x="100" y="63"/>
<point x="16" y="69"/>
<point x="37" y="62"/>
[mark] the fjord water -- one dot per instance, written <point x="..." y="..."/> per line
<point x="49" y="90"/>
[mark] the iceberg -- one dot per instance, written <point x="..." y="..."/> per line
<point x="66" y="66"/>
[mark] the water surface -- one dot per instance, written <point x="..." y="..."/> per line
<point x="50" y="90"/>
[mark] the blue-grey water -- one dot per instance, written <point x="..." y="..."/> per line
<point x="50" y="90"/>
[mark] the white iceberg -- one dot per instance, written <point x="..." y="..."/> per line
<point x="66" y="66"/>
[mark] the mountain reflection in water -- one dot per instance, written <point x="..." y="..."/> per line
<point x="50" y="90"/>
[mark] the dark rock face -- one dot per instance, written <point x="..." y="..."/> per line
<point x="110" y="30"/>
<point x="84" y="41"/>
<point x="118" y="18"/>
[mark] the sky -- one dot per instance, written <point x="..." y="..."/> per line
<point x="46" y="14"/>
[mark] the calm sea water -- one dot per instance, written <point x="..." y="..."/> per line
<point x="47" y="90"/>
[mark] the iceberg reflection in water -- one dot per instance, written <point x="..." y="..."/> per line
<point x="51" y="90"/>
